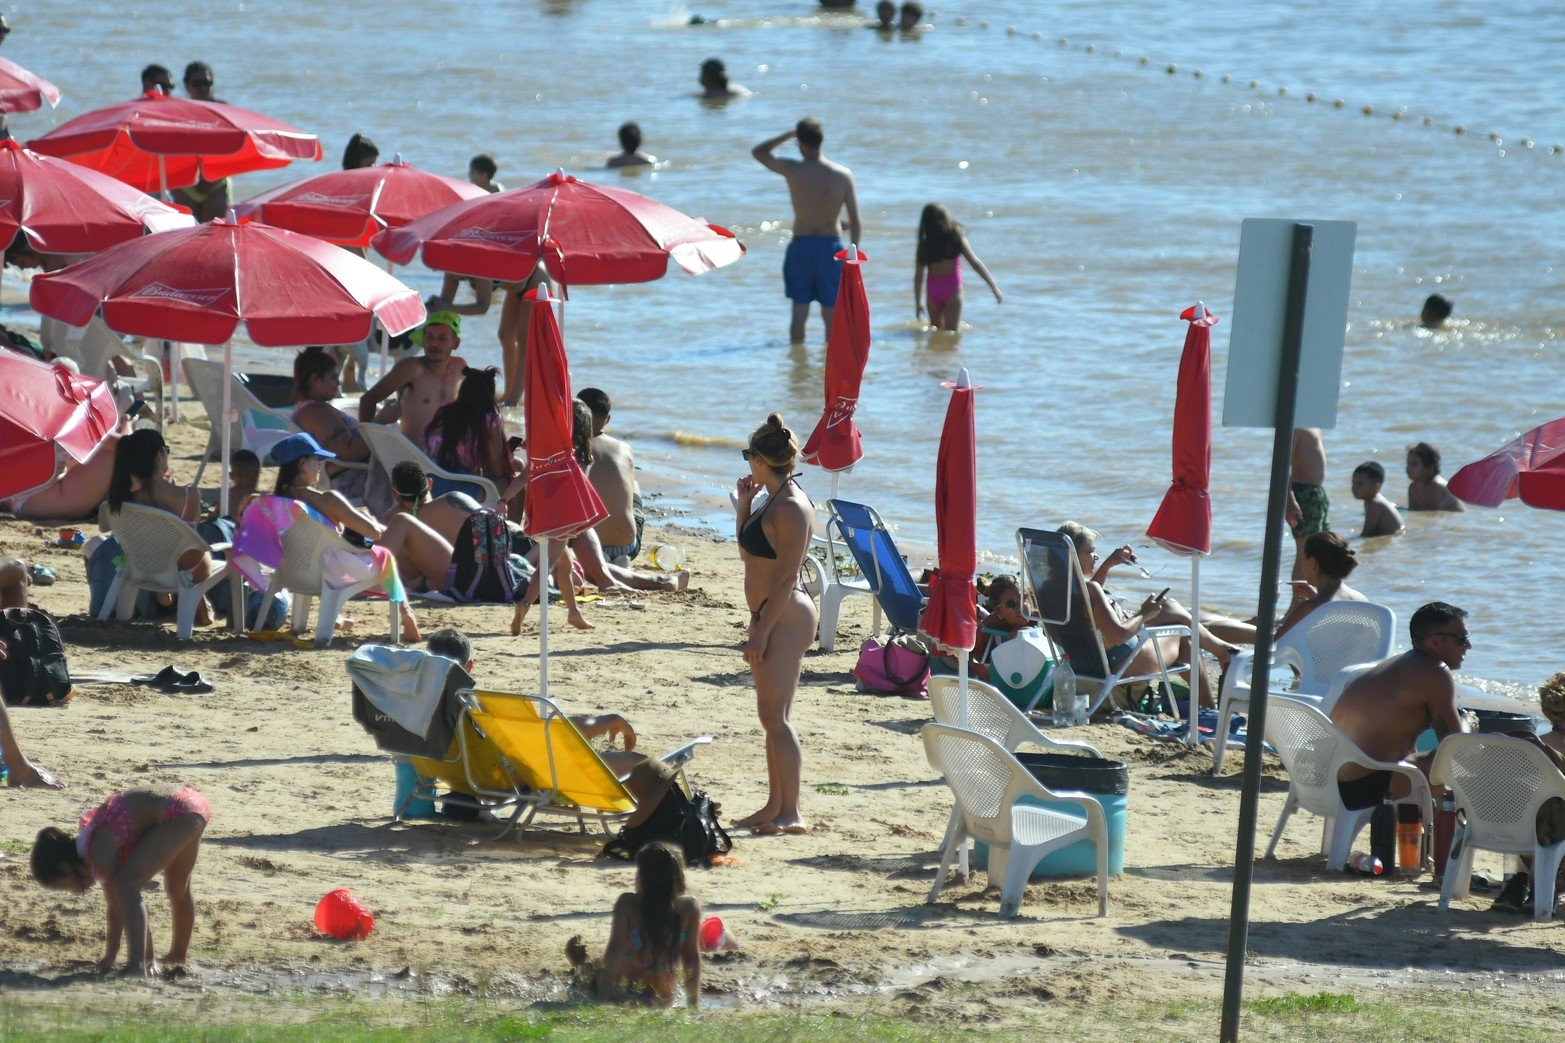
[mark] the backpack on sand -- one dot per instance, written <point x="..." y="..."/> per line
<point x="481" y="566"/>
<point x="689" y="823"/>
<point x="33" y="673"/>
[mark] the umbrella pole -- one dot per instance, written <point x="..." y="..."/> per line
<point x="385" y="338"/>
<point x="228" y="427"/>
<point x="171" y="352"/>
<point x="545" y="567"/>
<point x="1194" y="738"/>
<point x="961" y="683"/>
<point x="163" y="192"/>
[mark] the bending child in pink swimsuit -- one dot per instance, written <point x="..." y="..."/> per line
<point x="125" y="842"/>
<point x="941" y="247"/>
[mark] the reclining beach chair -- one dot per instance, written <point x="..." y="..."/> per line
<point x="1334" y="637"/>
<point x="1499" y="783"/>
<point x="882" y="570"/>
<point x="518" y="756"/>
<point x="152" y="540"/>
<point x="1313" y="750"/>
<point x="988" y="783"/>
<point x="831" y="584"/>
<point x="1052" y="574"/>
<point x="390" y="447"/>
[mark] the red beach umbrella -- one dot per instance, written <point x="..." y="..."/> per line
<point x="586" y="234"/>
<point x="561" y="502"/>
<point x="43" y="406"/>
<point x="156" y="142"/>
<point x="23" y="91"/>
<point x="951" y="617"/>
<point x="348" y="207"/>
<point x="835" y="445"/>
<point x="66" y="209"/>
<point x="1531" y="466"/>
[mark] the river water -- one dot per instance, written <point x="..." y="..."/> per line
<point x="1104" y="192"/>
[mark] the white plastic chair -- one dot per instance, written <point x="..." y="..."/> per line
<point x="1335" y="636"/>
<point x="390" y="447"/>
<point x="834" y="585"/>
<point x="303" y="572"/>
<point x="206" y="378"/>
<point x="1313" y="750"/>
<point x="987" y="781"/>
<point x="1499" y="783"/>
<point x="152" y="541"/>
<point x="990" y="713"/>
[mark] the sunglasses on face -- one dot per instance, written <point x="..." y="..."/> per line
<point x="198" y="83"/>
<point x="745" y="453"/>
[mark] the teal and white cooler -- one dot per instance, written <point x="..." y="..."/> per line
<point x="1105" y="781"/>
<point x="1020" y="669"/>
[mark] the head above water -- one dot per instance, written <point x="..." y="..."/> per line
<point x="774" y="445"/>
<point x="886" y="14"/>
<point x="1437" y="308"/>
<point x="811" y="137"/>
<point x="714" y="75"/>
<point x="360" y="152"/>
<point x="1427" y="456"/>
<point x="912" y="14"/>
<point x="629" y="136"/>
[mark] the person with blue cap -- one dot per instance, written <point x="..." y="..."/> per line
<point x="425" y="382"/>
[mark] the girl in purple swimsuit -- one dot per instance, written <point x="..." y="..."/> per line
<point x="941" y="248"/>
<point x="655" y="934"/>
<point x="123" y="843"/>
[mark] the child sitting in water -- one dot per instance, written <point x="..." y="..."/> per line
<point x="1380" y="514"/>
<point x="656" y="929"/>
<point x="941" y="247"/>
<point x="125" y="842"/>
<point x="1426" y="490"/>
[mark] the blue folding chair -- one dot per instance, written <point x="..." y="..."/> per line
<point x="880" y="563"/>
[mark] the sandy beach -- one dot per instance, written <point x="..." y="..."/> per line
<point x="831" y="921"/>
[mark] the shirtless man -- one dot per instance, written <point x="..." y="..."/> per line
<point x="1386" y="708"/>
<point x="430" y="380"/>
<point x="315" y="383"/>
<point x="630" y="149"/>
<point x="820" y="190"/>
<point x="1426" y="490"/>
<point x="714" y="82"/>
<point x="613" y="474"/>
<point x="1307" y="499"/>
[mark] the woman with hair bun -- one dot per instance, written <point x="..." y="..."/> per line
<point x="1328" y="560"/>
<point x="773" y="541"/>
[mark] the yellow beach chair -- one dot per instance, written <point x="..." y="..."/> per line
<point x="515" y="756"/>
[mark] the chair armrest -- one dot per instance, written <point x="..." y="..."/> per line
<point x="1096" y="821"/>
<point x="215" y="547"/>
<point x="682" y="755"/>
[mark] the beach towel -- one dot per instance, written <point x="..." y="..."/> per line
<point x="406" y="698"/>
<point x="1175" y="731"/>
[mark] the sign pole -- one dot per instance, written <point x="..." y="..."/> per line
<point x="1266" y="621"/>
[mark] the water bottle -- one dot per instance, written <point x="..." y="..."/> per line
<point x="1362" y="862"/>
<point x="1063" y="695"/>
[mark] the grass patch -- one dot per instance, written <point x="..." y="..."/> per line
<point x="833" y="789"/>
<point x="770" y="902"/>
<point x="1301" y="1003"/>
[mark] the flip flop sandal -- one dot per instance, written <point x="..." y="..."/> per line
<point x="193" y="684"/>
<point x="164" y="678"/>
<point x="42" y="575"/>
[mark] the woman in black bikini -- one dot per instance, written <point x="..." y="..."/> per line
<point x="773" y="541"/>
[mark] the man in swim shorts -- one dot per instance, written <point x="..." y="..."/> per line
<point x="1308" y="503"/>
<point x="820" y="191"/>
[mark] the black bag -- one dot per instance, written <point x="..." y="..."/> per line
<point x="33" y="673"/>
<point x="689" y="823"/>
<point x="481" y="565"/>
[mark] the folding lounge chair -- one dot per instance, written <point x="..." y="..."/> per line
<point x="153" y="540"/>
<point x="519" y="756"/>
<point x="1333" y="638"/>
<point x="881" y="566"/>
<point x="1053" y="576"/>
<point x="831" y="585"/>
<point x="390" y="447"/>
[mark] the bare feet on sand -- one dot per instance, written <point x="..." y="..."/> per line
<point x="27" y="775"/>
<point x="577" y="620"/>
<point x="792" y="827"/>
<point x="765" y="815"/>
<point x="680" y="579"/>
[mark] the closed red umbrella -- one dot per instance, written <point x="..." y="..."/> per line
<point x="951" y="616"/>
<point x="348" y="207"/>
<point x="561" y="502"/>
<point x="66" y="209"/>
<point x="835" y="445"/>
<point x="1531" y="466"/>
<point x="23" y="91"/>
<point x="586" y="234"/>
<point x="1183" y="523"/>
<point x="44" y="407"/>
<point x="155" y="142"/>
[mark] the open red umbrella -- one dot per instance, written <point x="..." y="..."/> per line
<point x="23" y="91"/>
<point x="155" y="142"/>
<point x="834" y="445"/>
<point x="1183" y="523"/>
<point x="586" y="234"/>
<point x="44" y="407"/>
<point x="198" y="284"/>
<point x="1531" y="466"/>
<point x="348" y="207"/>
<point x="66" y="209"/>
<point x="951" y="617"/>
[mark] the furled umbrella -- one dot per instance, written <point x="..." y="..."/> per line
<point x="951" y="616"/>
<point x="24" y="91"/>
<point x="198" y="284"/>
<point x="1183" y="523"/>
<point x="560" y="501"/>
<point x="834" y="445"/>
<point x="155" y="142"/>
<point x="1531" y="466"/>
<point x="585" y="234"/>
<point x="63" y="208"/>
<point x="46" y="409"/>
<point x="348" y="207"/>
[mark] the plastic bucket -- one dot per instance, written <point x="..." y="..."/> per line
<point x="339" y="915"/>
<point x="1106" y="781"/>
<point x="407" y="781"/>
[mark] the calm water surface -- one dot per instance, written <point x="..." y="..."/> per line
<point x="1105" y="195"/>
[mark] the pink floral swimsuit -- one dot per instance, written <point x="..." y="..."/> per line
<point x="114" y="816"/>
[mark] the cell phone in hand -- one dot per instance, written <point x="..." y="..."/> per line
<point x="1162" y="593"/>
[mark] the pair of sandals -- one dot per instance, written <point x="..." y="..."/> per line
<point x="169" y="679"/>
